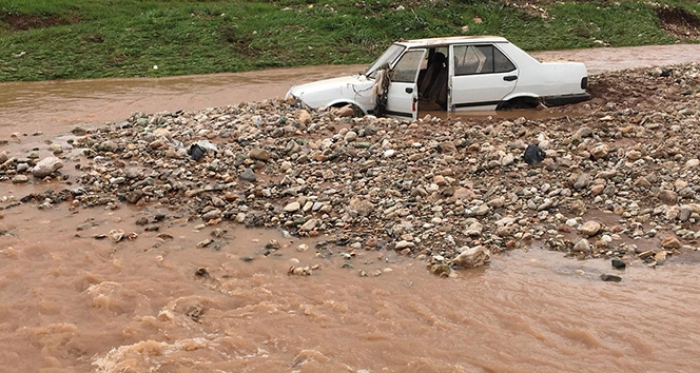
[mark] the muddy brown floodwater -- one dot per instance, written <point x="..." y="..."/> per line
<point x="70" y="302"/>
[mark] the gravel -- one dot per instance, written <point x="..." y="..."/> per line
<point x="618" y="168"/>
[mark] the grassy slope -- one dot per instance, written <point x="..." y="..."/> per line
<point x="109" y="38"/>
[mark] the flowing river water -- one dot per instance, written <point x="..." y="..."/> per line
<point x="73" y="303"/>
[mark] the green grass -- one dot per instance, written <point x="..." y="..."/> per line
<point x="127" y="38"/>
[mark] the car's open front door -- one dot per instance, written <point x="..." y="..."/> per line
<point x="402" y="98"/>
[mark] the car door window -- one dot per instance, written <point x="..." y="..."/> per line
<point x="480" y="59"/>
<point x="486" y="51"/>
<point x="407" y="68"/>
<point x="466" y="60"/>
<point x="501" y="63"/>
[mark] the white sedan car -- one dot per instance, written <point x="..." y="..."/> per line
<point x="480" y="73"/>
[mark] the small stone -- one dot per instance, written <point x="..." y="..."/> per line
<point x="307" y="206"/>
<point x="440" y="269"/>
<point x="56" y="148"/>
<point x="304" y="117"/>
<point x="20" y="179"/>
<point x="672" y="211"/>
<point x="670" y="243"/>
<point x="247" y="175"/>
<point x="448" y="147"/>
<point x="46" y="167"/>
<point x="286" y="165"/>
<point x="213" y="214"/>
<point x="403" y="244"/>
<point x="507" y="160"/>
<point x="534" y="155"/>
<point x="597" y="189"/>
<point x="692" y="163"/>
<point x="642" y="182"/>
<point x="117" y="180"/>
<point x="361" y="207"/>
<point x="472" y="257"/>
<point x="108" y="146"/>
<point x="582" y="181"/>
<point x="600" y="151"/>
<point x="479" y="210"/>
<point x="660" y="257"/>
<point x="309" y="225"/>
<point x="350" y="136"/>
<point x="116" y="235"/>
<point x="162" y="132"/>
<point x="370" y="243"/>
<point x="299" y="271"/>
<point x="582" y="246"/>
<point x="157" y="144"/>
<point x="610" y="278"/>
<point x="617" y="263"/>
<point x="577" y="207"/>
<point x="474" y="229"/>
<point x="583" y="132"/>
<point x="439" y="180"/>
<point x="668" y="197"/>
<point x="259" y="154"/>
<point x="79" y="131"/>
<point x="634" y="155"/>
<point x="687" y="210"/>
<point x="590" y="228"/>
<point x="497" y="202"/>
<point x="292" y="207"/>
<point x="204" y="243"/>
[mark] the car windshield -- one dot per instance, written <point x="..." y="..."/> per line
<point x="387" y="57"/>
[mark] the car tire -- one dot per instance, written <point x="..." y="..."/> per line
<point x="520" y="103"/>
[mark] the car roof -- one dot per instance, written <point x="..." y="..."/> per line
<point x="452" y="40"/>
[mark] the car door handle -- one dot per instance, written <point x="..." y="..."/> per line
<point x="510" y="78"/>
<point x="409" y="89"/>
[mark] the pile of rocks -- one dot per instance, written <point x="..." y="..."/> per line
<point x="620" y="173"/>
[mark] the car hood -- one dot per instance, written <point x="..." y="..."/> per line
<point x="325" y="92"/>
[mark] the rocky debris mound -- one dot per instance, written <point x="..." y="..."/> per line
<point x="450" y="191"/>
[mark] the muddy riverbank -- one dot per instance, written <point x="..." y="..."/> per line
<point x="53" y="107"/>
